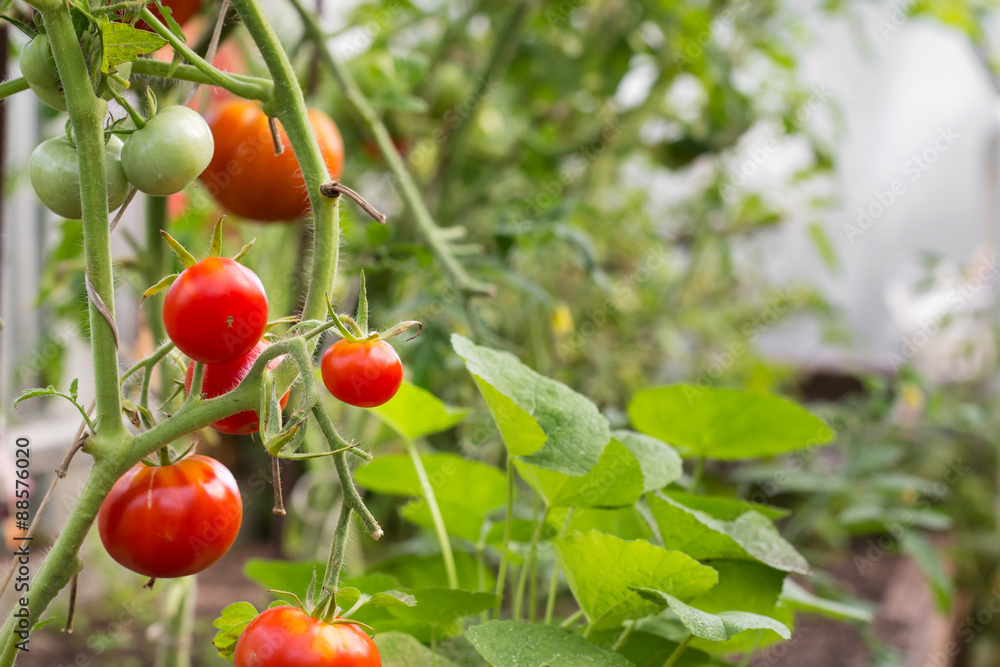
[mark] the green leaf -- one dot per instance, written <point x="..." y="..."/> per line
<point x="920" y="550"/>
<point x="428" y="571"/>
<point x="474" y="485"/>
<point x="542" y="421"/>
<point x="724" y="508"/>
<point x="74" y="389"/>
<point x="725" y="423"/>
<point x="400" y="650"/>
<point x="601" y="569"/>
<point x="348" y="597"/>
<point x="439" y="606"/>
<point x="795" y="597"/>
<point x="460" y="521"/>
<point x="124" y="43"/>
<point x="230" y="625"/>
<point x="616" y="481"/>
<point x="715" y="627"/>
<point x="519" y="644"/>
<point x="750" y="536"/>
<point x="282" y="575"/>
<point x="415" y="413"/>
<point x="660" y="463"/>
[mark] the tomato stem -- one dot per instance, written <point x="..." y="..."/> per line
<point x="431" y="499"/>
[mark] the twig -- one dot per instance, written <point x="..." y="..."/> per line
<point x="334" y="189"/>
<point x="73" y="585"/>
<point x="279" y="501"/>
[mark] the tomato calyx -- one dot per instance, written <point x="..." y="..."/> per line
<point x="322" y="606"/>
<point x="355" y="329"/>
<point x="188" y="260"/>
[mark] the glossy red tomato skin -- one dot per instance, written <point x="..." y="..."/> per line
<point x="245" y="175"/>
<point x="365" y="374"/>
<point x="222" y="378"/>
<point x="171" y="521"/>
<point x="216" y="311"/>
<point x="287" y="637"/>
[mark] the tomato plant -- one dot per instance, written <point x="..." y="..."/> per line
<point x="288" y="637"/>
<point x="365" y="374"/>
<point x="55" y="176"/>
<point x="246" y="176"/>
<point x="169" y="152"/>
<point x="222" y="378"/>
<point x="216" y="311"/>
<point x="171" y="520"/>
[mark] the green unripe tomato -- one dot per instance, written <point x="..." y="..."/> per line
<point x="55" y="175"/>
<point x="174" y="147"/>
<point x="39" y="69"/>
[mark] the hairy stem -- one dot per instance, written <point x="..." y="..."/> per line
<point x="292" y="113"/>
<point x="432" y="233"/>
<point x="86" y="113"/>
<point x="12" y="86"/>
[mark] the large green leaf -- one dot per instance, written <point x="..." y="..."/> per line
<point x="725" y="423"/>
<point x="400" y="650"/>
<point x="542" y="421"/>
<point x="601" y="569"/>
<point x="719" y="627"/>
<point x="440" y="606"/>
<point x="616" y="481"/>
<point x="793" y="596"/>
<point x="459" y="521"/>
<point x="724" y="508"/>
<point x="416" y="413"/>
<point x="471" y="484"/>
<point x="750" y="536"/>
<point x="660" y="463"/>
<point x="519" y="644"/>
<point x="744" y="586"/>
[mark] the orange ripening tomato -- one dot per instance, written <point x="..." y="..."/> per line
<point x="245" y="175"/>
<point x="181" y="10"/>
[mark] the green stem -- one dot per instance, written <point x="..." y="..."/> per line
<point x="12" y="86"/>
<point x="432" y="233"/>
<point x="678" y="652"/>
<point x="502" y="574"/>
<point x="699" y="471"/>
<point x="432" y="505"/>
<point x="237" y="86"/>
<point x="86" y="113"/>
<point x="550" y="604"/>
<point x="525" y="571"/>
<point x="178" y="610"/>
<point x="335" y="563"/>
<point x="623" y="637"/>
<point x="292" y="113"/>
<point x="136" y="117"/>
<point x="571" y="619"/>
<point x="157" y="267"/>
<point x="251" y="87"/>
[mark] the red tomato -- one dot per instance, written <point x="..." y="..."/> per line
<point x="287" y="637"/>
<point x="171" y="521"/>
<point x="245" y="175"/>
<point x="222" y="378"/>
<point x="216" y="311"/>
<point x="181" y="10"/>
<point x="362" y="374"/>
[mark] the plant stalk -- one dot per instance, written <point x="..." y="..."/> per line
<point x="432" y="505"/>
